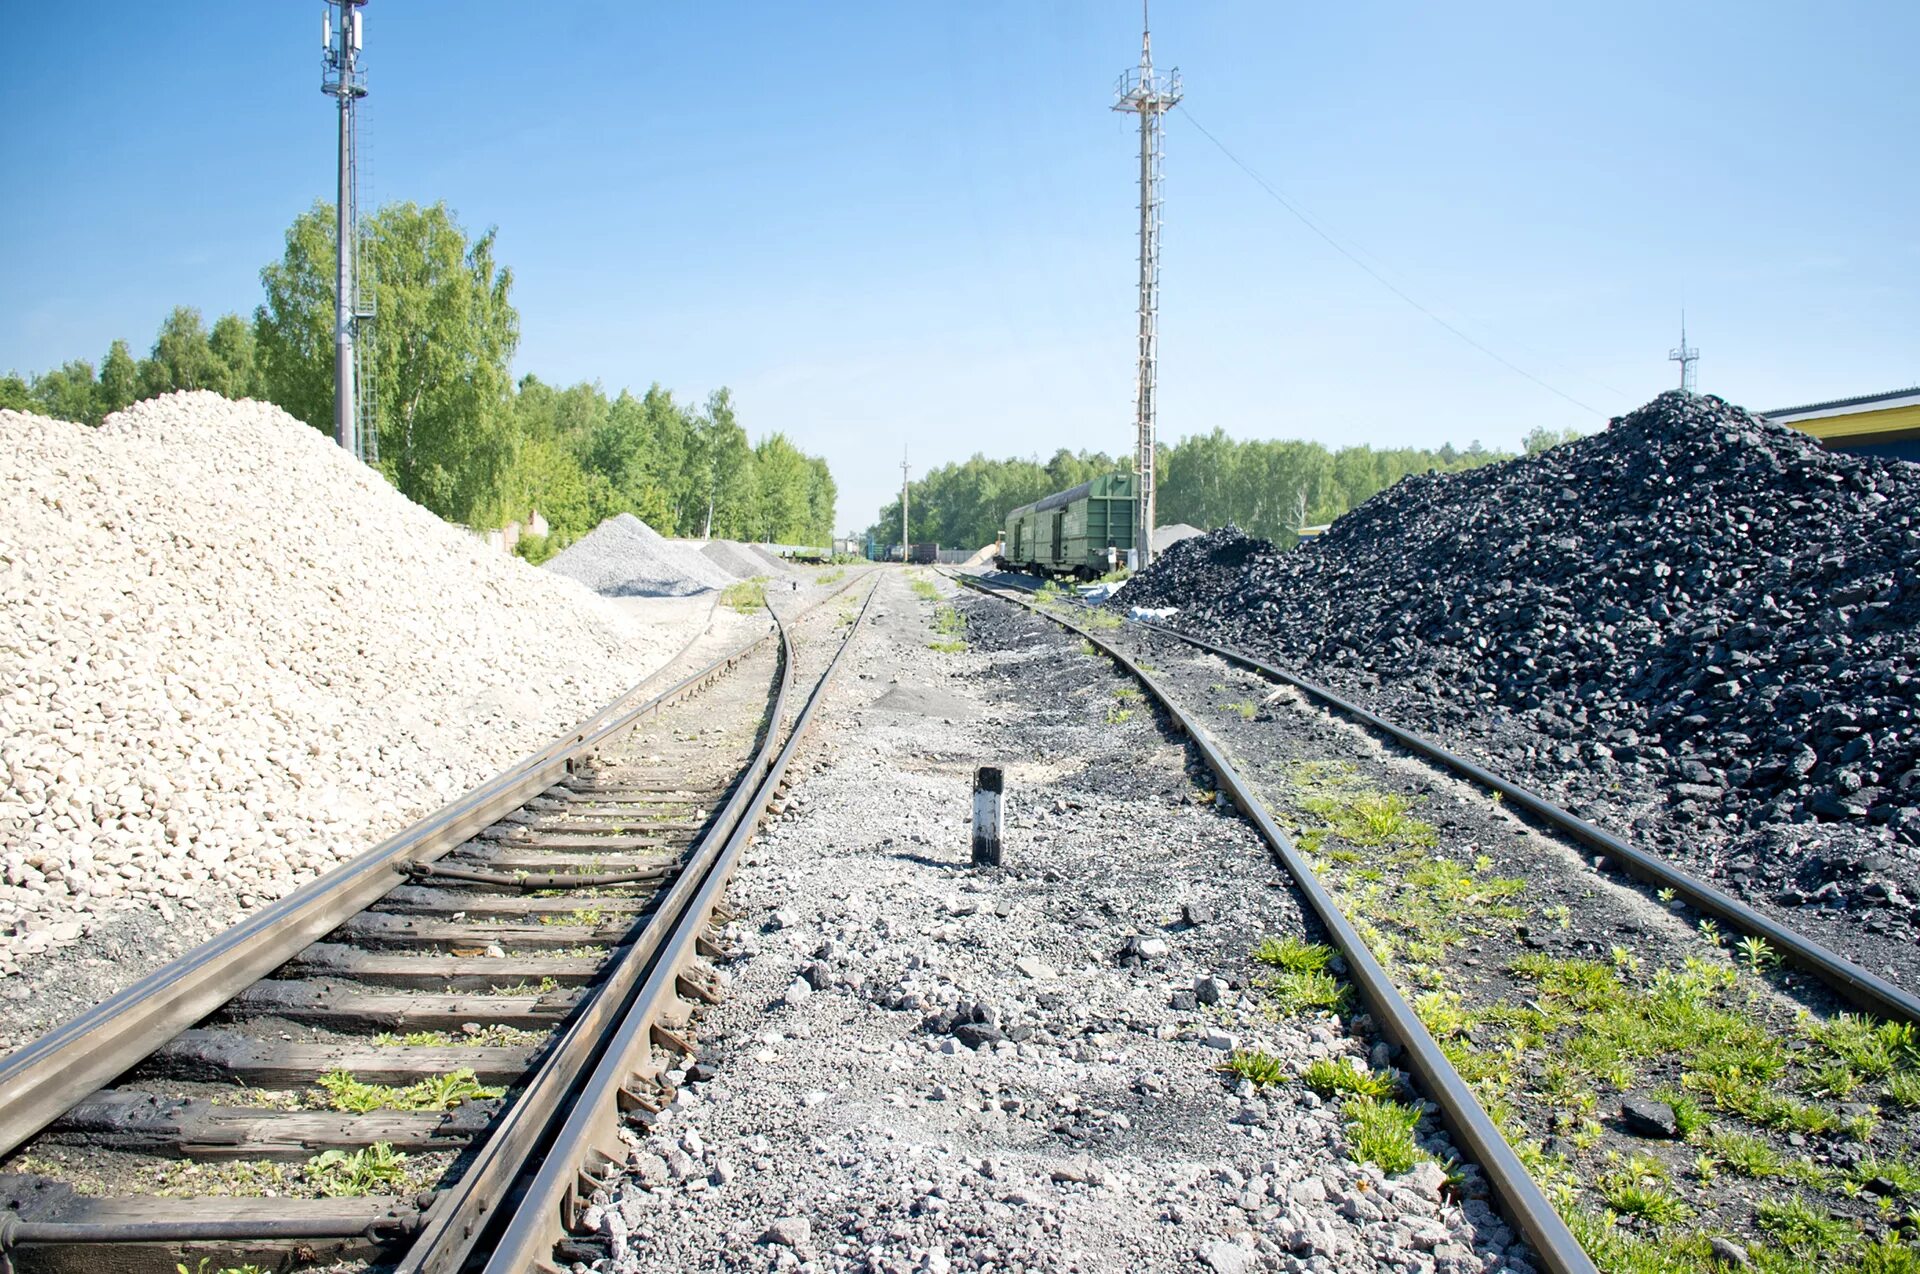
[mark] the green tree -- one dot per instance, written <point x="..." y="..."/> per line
<point x="1545" y="439"/>
<point x="783" y="475"/>
<point x="442" y="343"/>
<point x="16" y="394"/>
<point x="231" y="344"/>
<point x="181" y="357"/>
<point x="119" y="379"/>
<point x="728" y="465"/>
<point x="68" y="393"/>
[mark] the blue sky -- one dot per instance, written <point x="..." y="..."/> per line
<point x="913" y="224"/>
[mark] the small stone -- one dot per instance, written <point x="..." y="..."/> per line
<point x="1183" y="1002"/>
<point x="1209" y="990"/>
<point x="784" y="918"/>
<point x="1649" y="1119"/>
<point x="1223" y="1257"/>
<point x="1152" y="948"/>
<point x="648" y="1169"/>
<point x="1222" y="1040"/>
<point x="798" y="993"/>
<point x="790" y="1231"/>
<point x="1727" y="1252"/>
<point x="1196" y="914"/>
<point x="1035" y="968"/>
<point x="1079" y="1170"/>
<point x="977" y="1035"/>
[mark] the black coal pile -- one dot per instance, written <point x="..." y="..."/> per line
<point x="1696" y="622"/>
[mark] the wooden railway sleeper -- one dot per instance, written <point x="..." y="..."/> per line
<point x="543" y="880"/>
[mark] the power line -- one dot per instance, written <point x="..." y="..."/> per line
<point x="1374" y="274"/>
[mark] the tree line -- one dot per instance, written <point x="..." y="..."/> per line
<point x="1268" y="488"/>
<point x="456" y="432"/>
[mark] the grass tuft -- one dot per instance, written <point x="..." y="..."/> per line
<point x="1327" y="1077"/>
<point x="436" y="1092"/>
<point x="1262" y="1067"/>
<point x="1381" y="1132"/>
<point x="747" y="596"/>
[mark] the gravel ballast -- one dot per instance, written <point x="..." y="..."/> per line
<point x="923" y="1067"/>
<point x="624" y="557"/>
<point x="231" y="657"/>
<point x="734" y="558"/>
<point x="1696" y="626"/>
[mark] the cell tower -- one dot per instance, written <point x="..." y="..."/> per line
<point x="905" y="548"/>
<point x="341" y="78"/>
<point x="1149" y="94"/>
<point x="1686" y="356"/>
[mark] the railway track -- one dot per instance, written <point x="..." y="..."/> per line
<point x="423" y="1058"/>
<point x="1476" y="1036"/>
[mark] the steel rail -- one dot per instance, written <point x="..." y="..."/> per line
<point x="1515" y="1192"/>
<point x="457" y="1218"/>
<point x="42" y="1079"/>
<point x="546" y="1210"/>
<point x="1859" y="986"/>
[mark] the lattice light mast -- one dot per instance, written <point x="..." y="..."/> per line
<point x="1149" y="94"/>
<point x="1686" y="356"/>
<point x="904" y="547"/>
<point x="342" y="80"/>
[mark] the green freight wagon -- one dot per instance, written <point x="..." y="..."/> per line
<point x="1085" y="532"/>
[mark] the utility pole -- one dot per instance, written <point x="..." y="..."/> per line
<point x="341" y="79"/>
<point x="903" y="507"/>
<point x="1686" y="356"/>
<point x="1150" y="95"/>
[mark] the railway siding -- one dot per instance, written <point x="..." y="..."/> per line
<point x="1673" y="1088"/>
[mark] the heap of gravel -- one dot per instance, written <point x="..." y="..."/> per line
<point x="231" y="657"/>
<point x="734" y="558"/>
<point x="624" y="557"/>
<point x="1698" y="624"/>
<point x="771" y="562"/>
<point x="1165" y="537"/>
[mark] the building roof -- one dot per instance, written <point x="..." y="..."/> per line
<point x="1847" y="406"/>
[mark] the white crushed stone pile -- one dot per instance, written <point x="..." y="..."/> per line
<point x="624" y="557"/>
<point x="733" y="557"/>
<point x="231" y="657"/>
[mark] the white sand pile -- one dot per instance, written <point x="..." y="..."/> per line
<point x="231" y="657"/>
<point x="624" y="557"/>
<point x="735" y="558"/>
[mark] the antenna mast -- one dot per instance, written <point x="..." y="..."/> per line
<point x="905" y="549"/>
<point x="340" y="78"/>
<point x="1686" y="356"/>
<point x="1151" y="95"/>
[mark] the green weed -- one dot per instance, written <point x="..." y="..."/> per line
<point x="1327" y="1077"/>
<point x="1263" y="1068"/>
<point x="747" y="596"/>
<point x="342" y="1175"/>
<point x="436" y="1092"/>
<point x="1293" y="954"/>
<point x="1802" y="1227"/>
<point x="1381" y="1132"/>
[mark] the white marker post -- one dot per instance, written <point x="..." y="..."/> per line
<point x="988" y="784"/>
